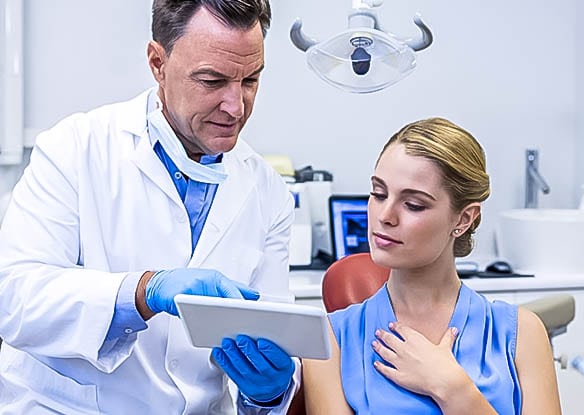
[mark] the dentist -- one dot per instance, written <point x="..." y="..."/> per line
<point x="124" y="207"/>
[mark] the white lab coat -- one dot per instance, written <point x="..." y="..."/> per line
<point x="96" y="203"/>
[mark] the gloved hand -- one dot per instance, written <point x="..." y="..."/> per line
<point x="164" y="285"/>
<point x="261" y="369"/>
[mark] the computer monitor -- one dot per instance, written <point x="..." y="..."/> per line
<point x="348" y="224"/>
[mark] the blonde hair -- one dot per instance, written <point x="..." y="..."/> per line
<point x="459" y="157"/>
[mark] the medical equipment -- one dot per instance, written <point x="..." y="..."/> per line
<point x="348" y="224"/>
<point x="363" y="58"/>
<point x="301" y="232"/>
<point x="319" y="186"/>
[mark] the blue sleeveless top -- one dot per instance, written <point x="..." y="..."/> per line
<point x="484" y="347"/>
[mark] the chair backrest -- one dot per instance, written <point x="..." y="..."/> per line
<point x="351" y="280"/>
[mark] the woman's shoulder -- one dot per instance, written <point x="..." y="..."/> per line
<point x="347" y="314"/>
<point x="354" y="315"/>
<point x="495" y="307"/>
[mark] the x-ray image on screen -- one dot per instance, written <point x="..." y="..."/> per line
<point x="348" y="215"/>
<point x="355" y="232"/>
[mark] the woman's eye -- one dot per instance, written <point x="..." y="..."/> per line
<point x="415" y="207"/>
<point x="378" y="196"/>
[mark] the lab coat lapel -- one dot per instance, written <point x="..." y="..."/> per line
<point x="133" y="120"/>
<point x="229" y="199"/>
<point x="148" y="162"/>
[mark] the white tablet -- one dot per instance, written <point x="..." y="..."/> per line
<point x="300" y="330"/>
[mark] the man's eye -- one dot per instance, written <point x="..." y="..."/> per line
<point x="211" y="82"/>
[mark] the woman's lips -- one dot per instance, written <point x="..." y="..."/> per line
<point x="384" y="241"/>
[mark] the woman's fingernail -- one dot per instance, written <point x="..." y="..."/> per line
<point x="454" y="331"/>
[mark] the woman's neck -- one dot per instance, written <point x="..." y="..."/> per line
<point x="425" y="298"/>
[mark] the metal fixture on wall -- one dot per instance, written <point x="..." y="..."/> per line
<point x="363" y="58"/>
<point x="11" y="83"/>
<point x="534" y="182"/>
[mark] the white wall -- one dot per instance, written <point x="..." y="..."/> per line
<point x="579" y="138"/>
<point x="503" y="70"/>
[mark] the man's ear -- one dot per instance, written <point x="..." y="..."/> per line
<point x="467" y="216"/>
<point x="156" y="59"/>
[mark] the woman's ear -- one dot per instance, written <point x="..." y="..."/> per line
<point x="467" y="216"/>
<point x="156" y="59"/>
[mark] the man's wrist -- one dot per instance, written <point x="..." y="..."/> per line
<point x="141" y="305"/>
<point x="270" y="404"/>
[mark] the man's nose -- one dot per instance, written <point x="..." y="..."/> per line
<point x="233" y="100"/>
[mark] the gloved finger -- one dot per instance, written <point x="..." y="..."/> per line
<point x="247" y="292"/>
<point x="227" y="288"/>
<point x="249" y="348"/>
<point x="223" y="361"/>
<point x="237" y="358"/>
<point x="274" y="353"/>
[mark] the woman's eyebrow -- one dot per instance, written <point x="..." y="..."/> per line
<point x="381" y="182"/>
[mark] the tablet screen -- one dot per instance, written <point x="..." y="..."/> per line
<point x="300" y="330"/>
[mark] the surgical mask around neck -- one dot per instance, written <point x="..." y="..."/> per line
<point x="205" y="173"/>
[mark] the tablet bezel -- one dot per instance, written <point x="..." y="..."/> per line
<point x="300" y="330"/>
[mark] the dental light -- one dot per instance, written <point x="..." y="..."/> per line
<point x="363" y="58"/>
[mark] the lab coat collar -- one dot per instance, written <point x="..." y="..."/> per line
<point x="132" y="119"/>
<point x="229" y="199"/>
<point x="230" y="196"/>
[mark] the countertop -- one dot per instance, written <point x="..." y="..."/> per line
<point x="307" y="283"/>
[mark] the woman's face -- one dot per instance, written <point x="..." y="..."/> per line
<point x="410" y="217"/>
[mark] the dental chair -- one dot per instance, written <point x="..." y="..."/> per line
<point x="356" y="277"/>
<point x="347" y="281"/>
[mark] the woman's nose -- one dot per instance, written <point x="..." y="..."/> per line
<point x="388" y="214"/>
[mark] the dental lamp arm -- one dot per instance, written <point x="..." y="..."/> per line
<point x="427" y="37"/>
<point x="300" y="40"/>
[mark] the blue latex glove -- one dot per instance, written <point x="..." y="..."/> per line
<point x="261" y="369"/>
<point x="164" y="285"/>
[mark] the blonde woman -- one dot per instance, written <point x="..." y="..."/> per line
<point x="426" y="343"/>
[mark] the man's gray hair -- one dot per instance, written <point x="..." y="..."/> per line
<point x="171" y="17"/>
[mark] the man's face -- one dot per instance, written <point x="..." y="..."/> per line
<point x="208" y="83"/>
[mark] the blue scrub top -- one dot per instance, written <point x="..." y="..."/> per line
<point x="484" y="347"/>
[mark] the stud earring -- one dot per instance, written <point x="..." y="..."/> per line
<point x="457" y="231"/>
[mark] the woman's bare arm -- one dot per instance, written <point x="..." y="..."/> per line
<point x="535" y="366"/>
<point x="322" y="384"/>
